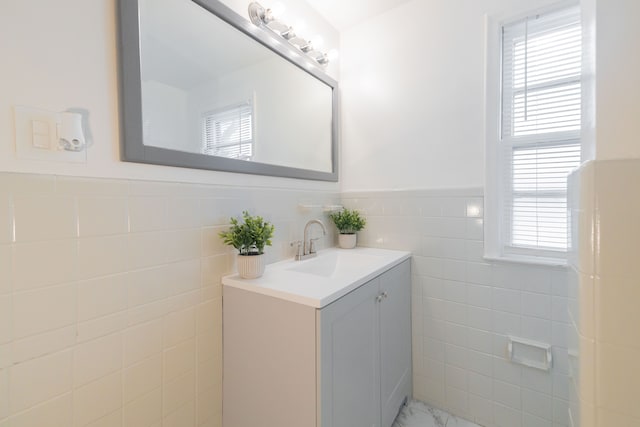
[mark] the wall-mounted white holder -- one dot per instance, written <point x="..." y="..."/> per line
<point x="47" y="135"/>
<point x="530" y="353"/>
<point x="307" y="207"/>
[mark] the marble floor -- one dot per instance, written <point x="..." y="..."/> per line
<point x="418" y="414"/>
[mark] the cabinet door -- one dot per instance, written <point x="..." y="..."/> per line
<point x="395" y="340"/>
<point x="349" y="370"/>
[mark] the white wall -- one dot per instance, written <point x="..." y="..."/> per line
<point x="617" y="65"/>
<point x="63" y="54"/>
<point x="165" y="116"/>
<point x="412" y="95"/>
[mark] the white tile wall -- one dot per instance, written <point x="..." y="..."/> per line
<point x="604" y="336"/>
<point x="464" y="307"/>
<point x="110" y="296"/>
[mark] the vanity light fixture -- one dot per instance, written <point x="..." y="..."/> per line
<point x="268" y="18"/>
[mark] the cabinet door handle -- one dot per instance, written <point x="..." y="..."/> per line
<point x="382" y="296"/>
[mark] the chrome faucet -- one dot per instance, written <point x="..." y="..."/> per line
<point x="308" y="244"/>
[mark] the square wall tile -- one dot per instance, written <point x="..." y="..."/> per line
<point x="6" y="269"/>
<point x="40" y="379"/>
<point x="183" y="244"/>
<point x="142" y="378"/>
<point x="587" y="237"/>
<point x="457" y="401"/>
<point x="616" y="304"/>
<point x="617" y="377"/>
<point x="475" y="208"/>
<point x="480" y="385"/>
<point x="97" y="358"/>
<point x="538" y="404"/>
<point x="4" y="393"/>
<point x="529" y="420"/>
<point x="45" y="218"/>
<point x="100" y="216"/>
<point x="607" y="417"/>
<point x="536" y="305"/>
<point x="6" y="319"/>
<point x="506" y="300"/>
<point x="146" y="286"/>
<point x="147" y="213"/>
<point x="97" y="399"/>
<point x="144" y="411"/>
<point x="43" y="263"/>
<point x="178" y="392"/>
<point x="6" y="219"/>
<point x="586" y="320"/>
<point x="43" y="310"/>
<point x="102" y="296"/>
<point x="100" y="256"/>
<point x="587" y="371"/>
<point x="481" y="409"/>
<point x="209" y="345"/>
<point x="113" y="419"/>
<point x="146" y="249"/>
<point x="618" y="232"/>
<point x="179" y="360"/>
<point x="505" y="416"/>
<point x="42" y="344"/>
<point x="142" y="341"/>
<point x="536" y="329"/>
<point x="178" y="327"/>
<point x="183" y="212"/>
<point x="209" y="374"/>
<point x="183" y="416"/>
<point x="507" y="372"/>
<point x="54" y="413"/>
<point x="101" y="326"/>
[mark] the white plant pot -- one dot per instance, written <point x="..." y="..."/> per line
<point x="347" y="241"/>
<point x="250" y="266"/>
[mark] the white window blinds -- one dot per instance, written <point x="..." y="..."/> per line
<point x="229" y="132"/>
<point x="541" y="119"/>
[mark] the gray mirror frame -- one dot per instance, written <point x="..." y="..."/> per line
<point x="132" y="146"/>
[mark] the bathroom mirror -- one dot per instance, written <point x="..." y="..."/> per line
<point x="203" y="87"/>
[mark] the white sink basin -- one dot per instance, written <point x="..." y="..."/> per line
<point x="321" y="280"/>
<point x="337" y="263"/>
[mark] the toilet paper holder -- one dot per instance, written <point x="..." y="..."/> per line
<point x="530" y="353"/>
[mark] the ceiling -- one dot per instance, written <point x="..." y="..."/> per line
<point x="343" y="14"/>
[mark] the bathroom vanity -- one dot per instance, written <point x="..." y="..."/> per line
<point x="324" y="342"/>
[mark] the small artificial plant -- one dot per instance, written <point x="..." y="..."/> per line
<point x="348" y="221"/>
<point x="249" y="237"/>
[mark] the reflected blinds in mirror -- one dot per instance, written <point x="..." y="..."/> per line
<point x="229" y="132"/>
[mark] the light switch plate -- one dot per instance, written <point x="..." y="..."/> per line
<point x="37" y="136"/>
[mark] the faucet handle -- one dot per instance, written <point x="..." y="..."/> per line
<point x="298" y="245"/>
<point x="312" y="245"/>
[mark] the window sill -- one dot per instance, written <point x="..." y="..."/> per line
<point x="529" y="260"/>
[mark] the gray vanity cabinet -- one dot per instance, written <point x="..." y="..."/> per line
<point x="365" y="339"/>
<point x="347" y="364"/>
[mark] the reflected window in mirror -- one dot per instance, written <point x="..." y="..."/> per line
<point x="187" y="66"/>
<point x="228" y="132"/>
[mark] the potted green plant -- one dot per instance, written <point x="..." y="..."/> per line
<point x="249" y="237"/>
<point x="348" y="222"/>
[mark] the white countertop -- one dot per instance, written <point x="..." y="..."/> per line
<point x="321" y="280"/>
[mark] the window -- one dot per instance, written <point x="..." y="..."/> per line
<point x="539" y="135"/>
<point x="229" y="132"/>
